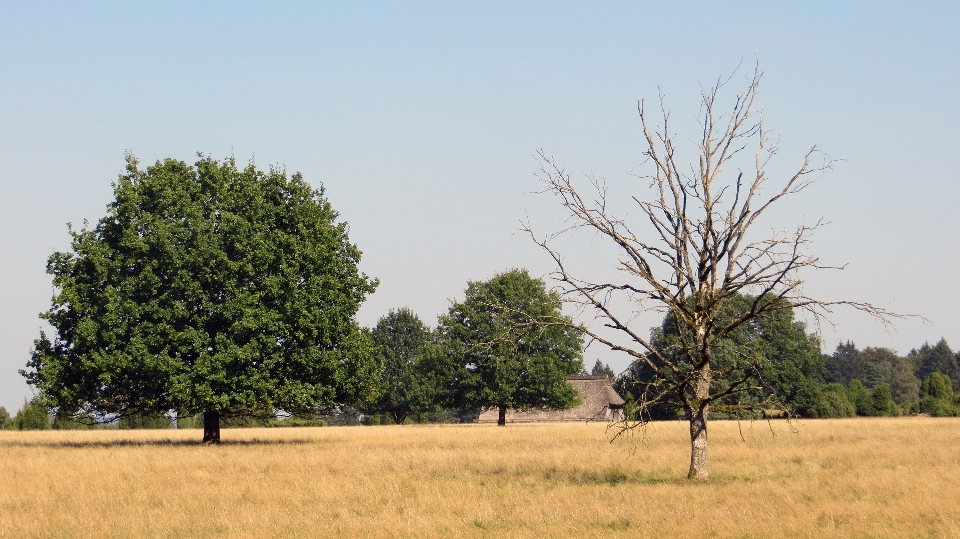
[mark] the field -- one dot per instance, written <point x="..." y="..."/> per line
<point x="839" y="478"/>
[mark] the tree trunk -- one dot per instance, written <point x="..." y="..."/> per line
<point x="211" y="427"/>
<point x="699" y="463"/>
<point x="502" y="417"/>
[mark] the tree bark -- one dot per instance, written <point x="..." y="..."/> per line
<point x="211" y="427"/>
<point x="502" y="417"/>
<point x="699" y="462"/>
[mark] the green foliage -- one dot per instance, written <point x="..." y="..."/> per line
<point x="602" y="369"/>
<point x="33" y="416"/>
<point x="6" y="422"/>
<point x="767" y="362"/>
<point x="144" y="421"/>
<point x="937" y="397"/>
<point x="937" y="358"/>
<point x="885" y="366"/>
<point x="938" y="386"/>
<point x="846" y="364"/>
<point x="206" y="288"/>
<point x="410" y="382"/>
<point x="861" y="398"/>
<point x="870" y="368"/>
<point x="834" y="402"/>
<point x="70" y="422"/>
<point x="883" y="403"/>
<point x="185" y="421"/>
<point x="510" y="346"/>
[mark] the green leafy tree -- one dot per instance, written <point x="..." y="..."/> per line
<point x="937" y="358"/>
<point x="206" y="289"/>
<point x="936" y="396"/>
<point x="511" y="346"/>
<point x="887" y="367"/>
<point x="846" y="364"/>
<point x="883" y="403"/>
<point x="834" y="402"/>
<point x="861" y="398"/>
<point x="33" y="416"/>
<point x="780" y="366"/>
<point x="410" y="385"/>
<point x="6" y="421"/>
<point x="145" y="421"/>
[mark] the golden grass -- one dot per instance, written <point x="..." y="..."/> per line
<point x="838" y="478"/>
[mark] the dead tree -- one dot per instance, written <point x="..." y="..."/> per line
<point x="695" y="251"/>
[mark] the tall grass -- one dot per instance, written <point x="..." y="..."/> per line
<point x="896" y="477"/>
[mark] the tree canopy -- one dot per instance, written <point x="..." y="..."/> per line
<point x="206" y="289"/>
<point x="511" y="346"/>
<point x="410" y="387"/>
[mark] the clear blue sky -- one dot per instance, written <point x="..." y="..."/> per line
<point x="422" y="119"/>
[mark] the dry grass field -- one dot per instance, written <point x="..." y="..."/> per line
<point x="838" y="478"/>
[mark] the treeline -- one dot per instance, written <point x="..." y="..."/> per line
<point x="850" y="382"/>
<point x="506" y="346"/>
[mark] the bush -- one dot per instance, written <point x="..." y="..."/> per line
<point x="145" y="421"/>
<point x="33" y="416"/>
<point x="69" y="422"/>
<point x="861" y="398"/>
<point x="883" y="404"/>
<point x="938" y="386"/>
<point x="936" y="397"/>
<point x="834" y="402"/>
<point x="6" y="422"/>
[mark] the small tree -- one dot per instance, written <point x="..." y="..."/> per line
<point x="700" y="250"/>
<point x="5" y="419"/>
<point x="937" y="358"/>
<point x="883" y="404"/>
<point x="511" y="346"/>
<point x="602" y="369"/>
<point x="936" y="396"/>
<point x="409" y="386"/>
<point x="206" y="289"/>
<point x="33" y="416"/>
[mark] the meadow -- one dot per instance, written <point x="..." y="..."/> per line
<point x="876" y="477"/>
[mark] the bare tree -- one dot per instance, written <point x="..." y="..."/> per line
<point x="697" y="253"/>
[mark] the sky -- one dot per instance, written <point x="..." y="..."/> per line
<point x="422" y="121"/>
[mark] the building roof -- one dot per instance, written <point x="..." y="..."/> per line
<point x="597" y="399"/>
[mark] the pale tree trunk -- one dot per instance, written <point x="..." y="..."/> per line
<point x="211" y="427"/>
<point x="502" y="417"/>
<point x="699" y="461"/>
<point x="698" y="413"/>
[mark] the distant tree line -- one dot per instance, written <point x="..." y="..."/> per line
<point x="506" y="346"/>
<point x="795" y="379"/>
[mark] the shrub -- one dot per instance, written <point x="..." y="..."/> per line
<point x="69" y="422"/>
<point x="938" y="386"/>
<point x="834" y="402"/>
<point x="861" y="398"/>
<point x="936" y="397"/>
<point x="883" y="404"/>
<point x="6" y="422"/>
